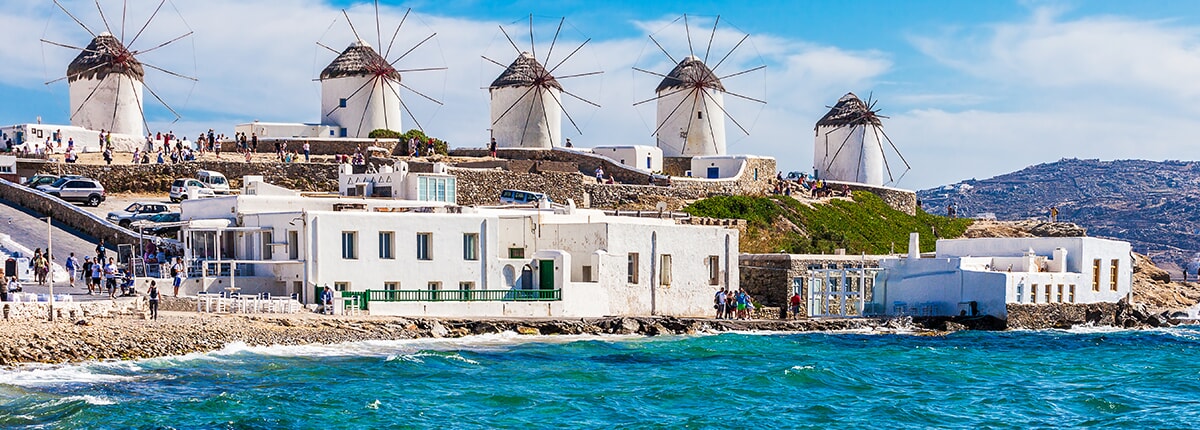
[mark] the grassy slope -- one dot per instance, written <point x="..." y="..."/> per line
<point x="864" y="225"/>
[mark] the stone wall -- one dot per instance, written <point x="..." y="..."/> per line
<point x="67" y="214"/>
<point x="678" y="166"/>
<point x="157" y="178"/>
<point x="483" y="186"/>
<point x="1067" y="315"/>
<point x="768" y="277"/>
<point x="72" y="311"/>
<point x="901" y="200"/>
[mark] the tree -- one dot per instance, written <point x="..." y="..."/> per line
<point x="439" y="146"/>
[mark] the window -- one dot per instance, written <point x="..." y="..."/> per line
<point x="436" y="189"/>
<point x="1020" y="294"/>
<point x="1096" y="275"/>
<point x="268" y="251"/>
<point x="434" y="286"/>
<point x="1060" y="293"/>
<point x="423" y="243"/>
<point x="350" y="245"/>
<point x="699" y="115"/>
<point x="1113" y="272"/>
<point x="341" y="286"/>
<point x="632" y="268"/>
<point x="387" y="245"/>
<point x="341" y="102"/>
<point x="664" y="270"/>
<point x="1048" y="294"/>
<point x="293" y="245"/>
<point x="1071" y="297"/>
<point x="1033" y="293"/>
<point x="587" y="274"/>
<point x="470" y="246"/>
<point x="714" y="270"/>
<point x="516" y="252"/>
<point x="391" y="286"/>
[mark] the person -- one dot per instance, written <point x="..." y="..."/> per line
<point x="72" y="264"/>
<point x="730" y="305"/>
<point x="254" y="142"/>
<point x="611" y="180"/>
<point x="950" y="210"/>
<point x="127" y="282"/>
<point x="40" y="268"/>
<point x="1053" y="213"/>
<point x="108" y="155"/>
<point x="599" y="174"/>
<point x="742" y="301"/>
<point x="177" y="275"/>
<point x="327" y="299"/>
<point x="719" y="303"/>
<point x="306" y="148"/>
<point x="795" y="305"/>
<point x="97" y="273"/>
<point x="101" y="252"/>
<point x="492" y="147"/>
<point x="110" y="278"/>
<point x="85" y="273"/>
<point x="569" y="143"/>
<point x="14" y="286"/>
<point x="152" y="293"/>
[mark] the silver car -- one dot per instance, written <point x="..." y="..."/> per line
<point x="76" y="189"/>
<point x="179" y="189"/>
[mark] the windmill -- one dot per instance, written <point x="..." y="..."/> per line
<point x="360" y="88"/>
<point x="691" y="111"/>
<point x="527" y="98"/>
<point x="849" y="144"/>
<point x="106" y="79"/>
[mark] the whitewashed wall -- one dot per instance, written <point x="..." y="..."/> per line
<point x="706" y="136"/>
<point x="535" y="121"/>
<point x="379" y="101"/>
<point x="116" y="105"/>
<point x="636" y="156"/>
<point x="859" y="160"/>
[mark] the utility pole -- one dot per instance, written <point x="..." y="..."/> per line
<point x="50" y="264"/>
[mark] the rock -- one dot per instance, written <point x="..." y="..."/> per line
<point x="437" y="330"/>
<point x="528" y="331"/>
<point x="83" y="322"/>
<point x="952" y="326"/>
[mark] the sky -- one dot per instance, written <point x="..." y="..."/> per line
<point x="969" y="89"/>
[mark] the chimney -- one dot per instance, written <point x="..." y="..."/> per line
<point x="914" y="245"/>
<point x="1060" y="260"/>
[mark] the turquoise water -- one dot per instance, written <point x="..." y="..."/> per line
<point x="1146" y="379"/>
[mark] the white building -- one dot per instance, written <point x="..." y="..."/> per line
<point x="641" y="157"/>
<point x="982" y="276"/>
<point x="360" y="92"/>
<point x="29" y="135"/>
<point x="396" y="182"/>
<point x="437" y="259"/>
<point x="848" y="144"/>
<point x="526" y="108"/>
<point x="287" y="130"/>
<point x="105" y="82"/>
<point x="690" y="111"/>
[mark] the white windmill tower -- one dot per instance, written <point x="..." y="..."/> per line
<point x="849" y="144"/>
<point x="360" y="88"/>
<point x="106" y="79"/>
<point x="527" y="99"/>
<point x="691" y="110"/>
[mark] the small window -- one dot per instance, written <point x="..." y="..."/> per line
<point x="350" y="245"/>
<point x="293" y="245"/>
<point x="466" y="286"/>
<point x="387" y="245"/>
<point x="268" y="251"/>
<point x="391" y="286"/>
<point x="341" y="102"/>
<point x="1060" y="293"/>
<point x="1020" y="294"/>
<point x="470" y="246"/>
<point x="516" y="252"/>
<point x="1049" y="293"/>
<point x="632" y="268"/>
<point x="1071" y="297"/>
<point x="587" y="274"/>
<point x="664" y="270"/>
<point x="1096" y="275"/>
<point x="1033" y="293"/>
<point x="423" y="246"/>
<point x="341" y="286"/>
<point x="699" y="114"/>
<point x="434" y="286"/>
<point x="1114" y="271"/>
<point x="714" y="270"/>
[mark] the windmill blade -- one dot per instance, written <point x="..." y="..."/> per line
<point x="145" y="124"/>
<point x="164" y="43"/>
<point x="405" y="106"/>
<point x="147" y="24"/>
<point x="681" y="102"/>
<point x="710" y="38"/>
<point x="861" y="155"/>
<point x="653" y="73"/>
<point x="744" y="97"/>
<point x="568" y="57"/>
<point x="687" y="29"/>
<point x="510" y="108"/>
<point x="555" y="39"/>
<point x="102" y="18"/>
<point x="580" y="98"/>
<point x="510" y="41"/>
<point x="493" y="61"/>
<point x="894" y="148"/>
<point x="687" y="132"/>
<point x="710" y="123"/>
<point x="727" y="115"/>
<point x="378" y="37"/>
<point x="77" y="21"/>
<point x="425" y="69"/>
<point x="532" y="46"/>
<point x="124" y="8"/>
<point x="578" y="75"/>
<point x="879" y="143"/>
<point x="85" y="102"/>
<point x="70" y="47"/>
<point x="364" y="85"/>
<point x="383" y="96"/>
<point x="78" y="73"/>
<point x="397" y="32"/>
<point x="660" y="48"/>
<point x="564" y="111"/>
<point x="116" y="103"/>
<point x="662" y="96"/>
<point x="410" y="50"/>
<point x="352" y="29"/>
<point x="840" y="147"/>
<point x="170" y="72"/>
<point x="330" y="49"/>
<point x="160" y="100"/>
<point x="727" y="54"/>
<point x="420" y="94"/>
<point x="366" y="107"/>
<point x="742" y="72"/>
<point x="529" y="116"/>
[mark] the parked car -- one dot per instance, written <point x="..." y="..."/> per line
<point x="76" y="189"/>
<point x="136" y="211"/>
<point x="519" y="197"/>
<point x="214" y="180"/>
<point x="163" y="224"/>
<point x="179" y="189"/>
<point x="45" y="179"/>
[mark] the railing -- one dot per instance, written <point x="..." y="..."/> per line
<point x="462" y="295"/>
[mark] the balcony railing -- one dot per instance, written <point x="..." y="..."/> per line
<point x="463" y="295"/>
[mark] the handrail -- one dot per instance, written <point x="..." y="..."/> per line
<point x="462" y="295"/>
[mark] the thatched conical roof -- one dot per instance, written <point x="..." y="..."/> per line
<point x="525" y="71"/>
<point x="849" y="110"/>
<point x="688" y="72"/>
<point x="359" y="59"/>
<point x="110" y="55"/>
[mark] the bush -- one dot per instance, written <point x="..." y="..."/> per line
<point x="439" y="146"/>
<point x="382" y="133"/>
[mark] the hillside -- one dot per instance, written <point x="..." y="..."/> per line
<point x="1153" y="205"/>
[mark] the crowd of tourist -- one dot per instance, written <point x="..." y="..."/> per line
<point x="733" y="305"/>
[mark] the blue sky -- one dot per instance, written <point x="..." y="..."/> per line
<point x="972" y="89"/>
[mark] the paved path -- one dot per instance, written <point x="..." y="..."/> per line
<point x="28" y="229"/>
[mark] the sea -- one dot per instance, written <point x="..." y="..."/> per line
<point x="972" y="379"/>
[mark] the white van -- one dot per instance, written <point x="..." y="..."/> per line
<point x="214" y="180"/>
<point x="520" y="197"/>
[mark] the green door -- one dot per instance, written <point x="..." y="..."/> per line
<point x="546" y="274"/>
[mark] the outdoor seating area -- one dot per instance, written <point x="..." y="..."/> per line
<point x="245" y="303"/>
<point x="34" y="298"/>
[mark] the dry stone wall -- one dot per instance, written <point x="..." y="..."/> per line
<point x="158" y="177"/>
<point x="768" y="277"/>
<point x="318" y="146"/>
